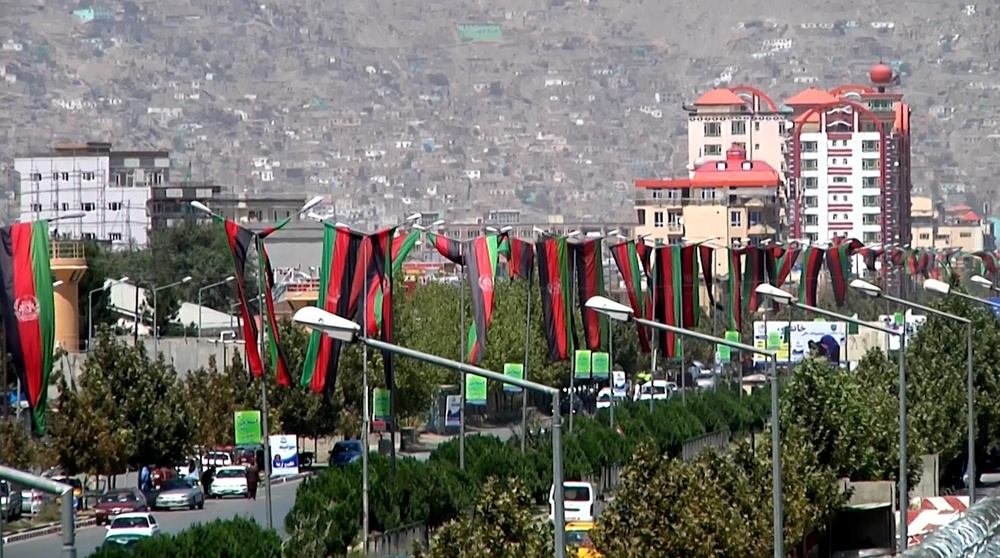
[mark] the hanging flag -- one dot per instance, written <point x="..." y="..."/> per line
<point x="627" y="259"/>
<point x="481" y="268"/>
<point x="707" y="254"/>
<point x="690" y="291"/>
<point x="990" y="261"/>
<point x="755" y="265"/>
<point x="588" y="260"/>
<point x="555" y="283"/>
<point x="241" y="240"/>
<point x="812" y="263"/>
<point x="870" y="256"/>
<point x="667" y="294"/>
<point x="28" y="307"/>
<point x="450" y="248"/>
<point x="265" y="275"/>
<point x="401" y="248"/>
<point x="734" y="256"/>
<point x="343" y="262"/>
<point x="838" y="263"/>
<point x="520" y="256"/>
<point x="780" y="263"/>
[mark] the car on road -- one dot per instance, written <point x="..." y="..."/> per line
<point x="133" y="524"/>
<point x="218" y="459"/>
<point x="579" y="502"/>
<point x="659" y="390"/>
<point x="33" y="500"/>
<point x="578" y="539"/>
<point x="346" y="452"/>
<point x="604" y="399"/>
<point x="117" y="501"/>
<point x="124" y="540"/>
<point x="229" y="481"/>
<point x="180" y="493"/>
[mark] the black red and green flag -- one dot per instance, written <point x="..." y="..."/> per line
<point x="754" y="269"/>
<point x="269" y="322"/>
<point x="706" y="254"/>
<point x="520" y="256"/>
<point x="402" y="246"/>
<point x="482" y="257"/>
<point x="626" y="258"/>
<point x="690" y="293"/>
<point x="241" y="240"/>
<point x="991" y="263"/>
<point x="555" y="283"/>
<point x="667" y="295"/>
<point x="450" y="248"/>
<point x="735" y="289"/>
<point x="838" y="262"/>
<point x="781" y="261"/>
<point x="588" y="262"/>
<point x="870" y="257"/>
<point x="812" y="264"/>
<point x="28" y="308"/>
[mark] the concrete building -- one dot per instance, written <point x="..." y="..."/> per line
<point x="173" y="203"/>
<point x="952" y="227"/>
<point x="111" y="187"/>
<point x="849" y="159"/>
<point x="732" y="201"/>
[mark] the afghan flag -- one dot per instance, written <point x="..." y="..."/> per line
<point x="588" y="260"/>
<point x="401" y="247"/>
<point x="812" y="264"/>
<point x="780" y="263"/>
<point x="870" y="257"/>
<point x="265" y="274"/>
<point x="990" y="261"/>
<point x="690" y="293"/>
<point x="344" y="265"/>
<point x="483" y="254"/>
<point x="29" y="311"/>
<point x="707" y="256"/>
<point x="754" y="270"/>
<point x="627" y="259"/>
<point x="735" y="288"/>
<point x="450" y="248"/>
<point x="555" y="283"/>
<point x="838" y="262"/>
<point x="667" y="294"/>
<point x="241" y="240"/>
<point x="520" y="256"/>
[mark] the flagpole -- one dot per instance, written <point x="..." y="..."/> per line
<point x="527" y="349"/>
<point x="461" y="358"/>
<point x="365" y="410"/>
<point x="680" y="343"/>
<point x="263" y="397"/>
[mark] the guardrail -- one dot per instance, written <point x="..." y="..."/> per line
<point x="720" y="440"/>
<point x="67" y="249"/>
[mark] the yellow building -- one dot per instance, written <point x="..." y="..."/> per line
<point x="940" y="227"/>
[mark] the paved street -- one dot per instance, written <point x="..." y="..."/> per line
<point x="89" y="538"/>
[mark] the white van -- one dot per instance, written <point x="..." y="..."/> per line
<point x="580" y="501"/>
<point x="659" y="390"/>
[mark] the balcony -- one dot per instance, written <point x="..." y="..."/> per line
<point x="669" y="228"/>
<point x="649" y="201"/>
<point x="67" y="251"/>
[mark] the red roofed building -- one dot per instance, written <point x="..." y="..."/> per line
<point x="733" y="200"/>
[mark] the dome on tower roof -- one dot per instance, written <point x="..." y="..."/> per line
<point x="881" y="74"/>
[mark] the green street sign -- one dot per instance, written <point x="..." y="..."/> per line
<point x="247" y="426"/>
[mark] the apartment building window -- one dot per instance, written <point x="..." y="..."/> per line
<point x="753" y="218"/>
<point x="740" y="144"/>
<point x="115" y="206"/>
<point x="736" y="218"/>
<point x="89" y="236"/>
<point x="880" y="104"/>
<point x="88" y="176"/>
<point x="871" y="201"/>
<point x="656" y="193"/>
<point x="36" y="176"/>
<point x="255" y="216"/>
<point x="965" y="235"/>
<point x="708" y="193"/>
<point x="713" y="130"/>
<point x="674" y="219"/>
<point x="756" y="126"/>
<point x="869" y="146"/>
<point x="812" y="237"/>
<point x="739" y="127"/>
<point x="157" y="179"/>
<point x="810" y="182"/>
<point x="713" y="149"/>
<point x="925" y="236"/>
<point x="809" y="147"/>
<point x="810" y="201"/>
<point x="673" y="194"/>
<point x="871" y="219"/>
<point x="812" y="220"/>
<point x="36" y="207"/>
<point x="640" y="214"/>
<point x="65" y="206"/>
<point x="839" y="180"/>
<point x="658" y="219"/>
<point x="869" y="164"/>
<point x="115" y="237"/>
<point x="869" y="182"/>
<point x="871" y="237"/>
<point x="87" y="206"/>
<point x="810" y="164"/>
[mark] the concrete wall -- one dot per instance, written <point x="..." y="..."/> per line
<point x="929" y="475"/>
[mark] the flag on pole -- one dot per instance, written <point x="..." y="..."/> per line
<point x="626" y="257"/>
<point x="555" y="283"/>
<point x="588" y="259"/>
<point x="667" y="294"/>
<point x="812" y="263"/>
<point x="838" y="262"/>
<point x="735" y="288"/>
<point x="481" y="268"/>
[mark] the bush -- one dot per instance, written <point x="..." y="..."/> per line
<point x="326" y="517"/>
<point x="233" y="537"/>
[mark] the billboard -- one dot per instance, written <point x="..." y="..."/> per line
<point x="284" y="455"/>
<point x="247" y="426"/>
<point x="894" y="321"/>
<point x="774" y="337"/>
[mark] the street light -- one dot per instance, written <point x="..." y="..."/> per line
<point x="57" y="284"/>
<point x="623" y="313"/>
<point x="785" y="298"/>
<point x="983" y="282"/>
<point x="501" y="230"/>
<point x="940" y="287"/>
<point x="90" y="306"/>
<point x="346" y="331"/>
<point x="205" y="288"/>
<point x="156" y="333"/>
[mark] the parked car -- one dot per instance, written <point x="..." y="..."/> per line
<point x="180" y="493"/>
<point x="218" y="459"/>
<point x="579" y="502"/>
<point x="604" y="398"/>
<point x="32" y="500"/>
<point x="10" y="501"/>
<point x="133" y="524"/>
<point x="229" y="481"/>
<point x="346" y="452"/>
<point x="118" y="501"/>
<point x="123" y="540"/>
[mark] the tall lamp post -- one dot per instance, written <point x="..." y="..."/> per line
<point x="785" y="298"/>
<point x="205" y="288"/>
<point x="940" y="287"/>
<point x="156" y="332"/>
<point x="623" y="313"/>
<point x="347" y="331"/>
<point x="90" y="306"/>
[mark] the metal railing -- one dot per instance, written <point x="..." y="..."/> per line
<point x="67" y="249"/>
<point x="719" y="440"/>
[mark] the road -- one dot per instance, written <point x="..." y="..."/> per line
<point x="89" y="538"/>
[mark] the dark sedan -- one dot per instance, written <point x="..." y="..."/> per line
<point x="119" y="500"/>
<point x="346" y="452"/>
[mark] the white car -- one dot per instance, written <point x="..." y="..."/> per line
<point x="133" y="524"/>
<point x="579" y="501"/>
<point x="661" y="390"/>
<point x="604" y="398"/>
<point x="229" y="481"/>
<point x="218" y="459"/>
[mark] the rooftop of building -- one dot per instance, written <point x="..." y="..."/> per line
<point x="735" y="171"/>
<point x="89" y="149"/>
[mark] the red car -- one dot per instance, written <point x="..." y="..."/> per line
<point x="117" y="501"/>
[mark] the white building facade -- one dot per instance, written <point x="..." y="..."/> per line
<point x="59" y="183"/>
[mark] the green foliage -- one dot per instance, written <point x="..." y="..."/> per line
<point x="326" y="517"/>
<point x="233" y="537"/>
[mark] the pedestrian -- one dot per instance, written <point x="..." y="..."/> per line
<point x="144" y="479"/>
<point x="253" y="477"/>
<point x="206" y="479"/>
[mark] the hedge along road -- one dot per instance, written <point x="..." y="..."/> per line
<point x="88" y="539"/>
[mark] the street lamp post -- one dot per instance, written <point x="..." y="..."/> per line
<point x="156" y="333"/>
<point x="205" y="288"/>
<point x="90" y="307"/>
<point x="620" y="312"/>
<point x="874" y="291"/>
<point x="941" y="287"/>
<point x="347" y="331"/>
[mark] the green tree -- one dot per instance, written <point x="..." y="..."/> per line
<point x="231" y="537"/>
<point x="501" y="525"/>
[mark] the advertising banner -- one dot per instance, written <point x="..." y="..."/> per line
<point x="247" y="424"/>
<point x="895" y="321"/>
<point x="600" y="365"/>
<point x="475" y="390"/>
<point x="618" y="386"/>
<point x="453" y="414"/>
<point x="284" y="455"/>
<point x="513" y="370"/>
<point x="803" y="332"/>
<point x="581" y="365"/>
<point x="380" y="405"/>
